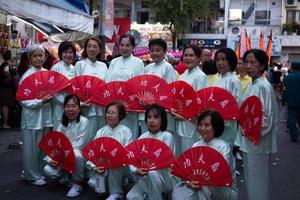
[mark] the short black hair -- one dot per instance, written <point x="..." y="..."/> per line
<point x="195" y="48"/>
<point x="209" y="67"/>
<point x="230" y="57"/>
<point x="121" y="109"/>
<point x="65" y="120"/>
<point x="158" y="111"/>
<point x="130" y="37"/>
<point x="260" y="56"/>
<point x="217" y="121"/>
<point x="6" y="55"/>
<point x="158" y="42"/>
<point x="64" y="46"/>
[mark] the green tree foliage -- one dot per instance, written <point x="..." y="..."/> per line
<point x="179" y="13"/>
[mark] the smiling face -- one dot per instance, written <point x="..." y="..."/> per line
<point x="190" y="59"/>
<point x="68" y="56"/>
<point x="253" y="67"/>
<point x="37" y="59"/>
<point x="112" y="116"/>
<point x="153" y="122"/>
<point x="72" y="110"/>
<point x="92" y="49"/>
<point x="206" y="129"/>
<point x="157" y="53"/>
<point x="126" y="47"/>
<point x="222" y="63"/>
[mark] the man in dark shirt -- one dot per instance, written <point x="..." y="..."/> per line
<point x="291" y="83"/>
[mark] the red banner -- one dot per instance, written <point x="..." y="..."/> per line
<point x="121" y="26"/>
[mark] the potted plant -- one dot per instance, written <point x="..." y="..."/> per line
<point x="289" y="28"/>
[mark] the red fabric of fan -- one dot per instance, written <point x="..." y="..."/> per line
<point x="41" y="84"/>
<point x="149" y="154"/>
<point x="203" y="164"/>
<point x="151" y="89"/>
<point x="58" y="147"/>
<point x="250" y="118"/>
<point x="105" y="153"/>
<point x="116" y="91"/>
<point x="184" y="99"/>
<point x="219" y="99"/>
<point x="84" y="86"/>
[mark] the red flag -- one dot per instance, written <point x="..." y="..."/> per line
<point x="269" y="46"/>
<point x="238" y="50"/>
<point x="261" y="41"/>
<point x="248" y="41"/>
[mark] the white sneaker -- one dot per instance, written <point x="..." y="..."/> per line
<point x="75" y="190"/>
<point x="39" y="182"/>
<point x="115" y="196"/>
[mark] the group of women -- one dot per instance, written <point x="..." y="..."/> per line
<point x="85" y="121"/>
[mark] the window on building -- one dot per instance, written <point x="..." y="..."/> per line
<point x="293" y="16"/>
<point x="262" y="17"/>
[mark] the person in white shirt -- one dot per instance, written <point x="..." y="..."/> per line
<point x="164" y="70"/>
<point x="257" y="157"/>
<point x="91" y="65"/>
<point x="210" y="128"/>
<point x="186" y="134"/>
<point x="153" y="183"/>
<point x="226" y="62"/>
<point x="114" y="113"/>
<point x="66" y="53"/>
<point x="123" y="68"/>
<point x="76" y="128"/>
<point x="36" y="119"/>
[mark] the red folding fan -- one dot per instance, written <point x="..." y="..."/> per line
<point x="116" y="91"/>
<point x="150" y="154"/>
<point x="250" y="118"/>
<point x="105" y="153"/>
<point x="203" y="164"/>
<point x="184" y="99"/>
<point x="151" y="89"/>
<point x="219" y="99"/>
<point x="84" y="86"/>
<point x="58" y="147"/>
<point x="41" y="84"/>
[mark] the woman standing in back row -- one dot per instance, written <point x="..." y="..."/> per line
<point x="90" y="65"/>
<point x="66" y="53"/>
<point x="226" y="62"/>
<point x="186" y="133"/>
<point x="123" y="68"/>
<point x="257" y="157"/>
<point x="35" y="121"/>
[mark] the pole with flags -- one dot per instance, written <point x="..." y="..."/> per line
<point x="269" y="46"/>
<point x="248" y="41"/>
<point x="261" y="41"/>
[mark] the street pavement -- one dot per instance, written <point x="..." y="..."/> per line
<point x="285" y="173"/>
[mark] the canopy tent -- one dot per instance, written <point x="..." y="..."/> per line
<point x="46" y="14"/>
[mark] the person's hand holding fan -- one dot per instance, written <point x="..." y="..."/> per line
<point x="58" y="147"/>
<point x="149" y="154"/>
<point x="105" y="153"/>
<point x="84" y="86"/>
<point x="250" y="118"/>
<point x="204" y="166"/>
<point x="41" y="85"/>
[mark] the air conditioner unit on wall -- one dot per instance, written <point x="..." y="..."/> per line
<point x="290" y="3"/>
